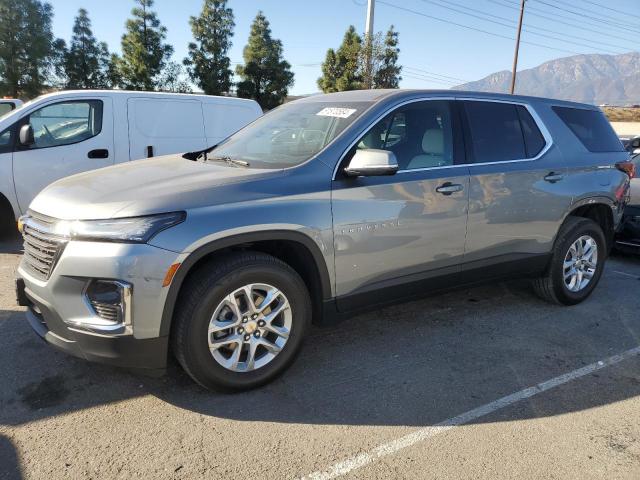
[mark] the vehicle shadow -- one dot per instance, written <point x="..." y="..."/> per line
<point x="413" y="364"/>
<point x="9" y="463"/>
<point x="10" y="243"/>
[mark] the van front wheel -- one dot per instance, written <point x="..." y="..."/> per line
<point x="576" y="264"/>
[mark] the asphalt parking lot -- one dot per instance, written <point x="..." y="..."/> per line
<point x="405" y="392"/>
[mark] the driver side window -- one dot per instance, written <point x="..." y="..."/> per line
<point x="65" y="123"/>
<point x="420" y="135"/>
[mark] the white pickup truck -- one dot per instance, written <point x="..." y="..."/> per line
<point x="64" y="133"/>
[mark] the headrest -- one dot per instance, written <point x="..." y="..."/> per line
<point x="433" y="142"/>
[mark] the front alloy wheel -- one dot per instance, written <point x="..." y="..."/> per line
<point x="250" y="327"/>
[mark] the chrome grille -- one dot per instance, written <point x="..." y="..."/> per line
<point x="41" y="247"/>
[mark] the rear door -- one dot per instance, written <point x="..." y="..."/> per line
<point x="160" y="126"/>
<point x="517" y="197"/>
<point x="395" y="234"/>
<point x="70" y="136"/>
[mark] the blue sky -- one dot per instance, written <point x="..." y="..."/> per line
<point x="440" y="45"/>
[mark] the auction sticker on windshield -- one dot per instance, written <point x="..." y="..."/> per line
<point x="336" y="112"/>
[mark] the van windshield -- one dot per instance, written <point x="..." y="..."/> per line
<point x="289" y="135"/>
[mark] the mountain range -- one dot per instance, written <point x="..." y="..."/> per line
<point x="592" y="78"/>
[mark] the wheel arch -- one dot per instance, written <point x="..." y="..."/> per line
<point x="7" y="213"/>
<point x="296" y="249"/>
<point x="600" y="210"/>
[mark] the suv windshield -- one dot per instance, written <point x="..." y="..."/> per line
<point x="289" y="135"/>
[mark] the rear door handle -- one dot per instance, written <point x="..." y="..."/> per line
<point x="553" y="177"/>
<point x="98" y="153"/>
<point x="448" y="188"/>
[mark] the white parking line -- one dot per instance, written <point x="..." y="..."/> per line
<point x="389" y="448"/>
<point x="626" y="274"/>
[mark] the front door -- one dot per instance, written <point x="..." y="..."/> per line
<point x="393" y="234"/>
<point x="70" y="136"/>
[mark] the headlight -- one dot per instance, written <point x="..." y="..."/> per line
<point x="130" y="229"/>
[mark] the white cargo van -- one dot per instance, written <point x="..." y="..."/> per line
<point x="9" y="104"/>
<point x="64" y="133"/>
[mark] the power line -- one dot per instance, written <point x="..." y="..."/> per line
<point x="605" y="7"/>
<point x="531" y="26"/>
<point x="437" y="74"/>
<point x="414" y="73"/>
<point x="427" y="80"/>
<point x="525" y="29"/>
<point x="583" y="15"/>
<point x="531" y="12"/>
<point x="468" y="27"/>
<point x="622" y="22"/>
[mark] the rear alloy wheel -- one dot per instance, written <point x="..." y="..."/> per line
<point x="580" y="263"/>
<point x="240" y="321"/>
<point x="576" y="263"/>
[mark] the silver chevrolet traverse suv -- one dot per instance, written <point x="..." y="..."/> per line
<point x="322" y="207"/>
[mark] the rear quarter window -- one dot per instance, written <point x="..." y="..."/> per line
<point x="591" y="127"/>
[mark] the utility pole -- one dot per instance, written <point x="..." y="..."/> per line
<point x="515" y="54"/>
<point x="368" y="36"/>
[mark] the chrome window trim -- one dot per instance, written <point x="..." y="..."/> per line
<point x="536" y="118"/>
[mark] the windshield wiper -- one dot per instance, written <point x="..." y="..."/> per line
<point x="199" y="155"/>
<point x="230" y="161"/>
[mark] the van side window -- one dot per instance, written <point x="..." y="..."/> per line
<point x="66" y="123"/>
<point x="496" y="135"/>
<point x="534" y="142"/>
<point x="591" y="127"/>
<point x="420" y="135"/>
<point x="6" y="107"/>
<point x="5" y="141"/>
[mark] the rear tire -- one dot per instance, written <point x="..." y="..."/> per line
<point x="213" y="309"/>
<point x="571" y="277"/>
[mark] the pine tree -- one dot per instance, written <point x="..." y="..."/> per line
<point x="348" y="68"/>
<point x="173" y="79"/>
<point x="144" y="54"/>
<point x="341" y="68"/>
<point x="112" y="71"/>
<point x="387" y="74"/>
<point x="86" y="61"/>
<point x="266" y="76"/>
<point x="26" y="47"/>
<point x="208" y="63"/>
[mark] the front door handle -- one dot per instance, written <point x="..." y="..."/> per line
<point x="553" y="177"/>
<point x="448" y="188"/>
<point x="98" y="153"/>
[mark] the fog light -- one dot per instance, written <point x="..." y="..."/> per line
<point x="110" y="301"/>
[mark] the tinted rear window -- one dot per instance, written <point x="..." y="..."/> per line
<point x="534" y="142"/>
<point x="592" y="129"/>
<point x="496" y="134"/>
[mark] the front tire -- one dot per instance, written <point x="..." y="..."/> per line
<point x="576" y="264"/>
<point x="240" y="321"/>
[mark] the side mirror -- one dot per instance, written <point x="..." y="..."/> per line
<point x="637" y="150"/>
<point x="26" y="135"/>
<point x="371" y="162"/>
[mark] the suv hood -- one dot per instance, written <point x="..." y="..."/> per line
<point x="142" y="187"/>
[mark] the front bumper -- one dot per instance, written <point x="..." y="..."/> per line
<point x="57" y="307"/>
